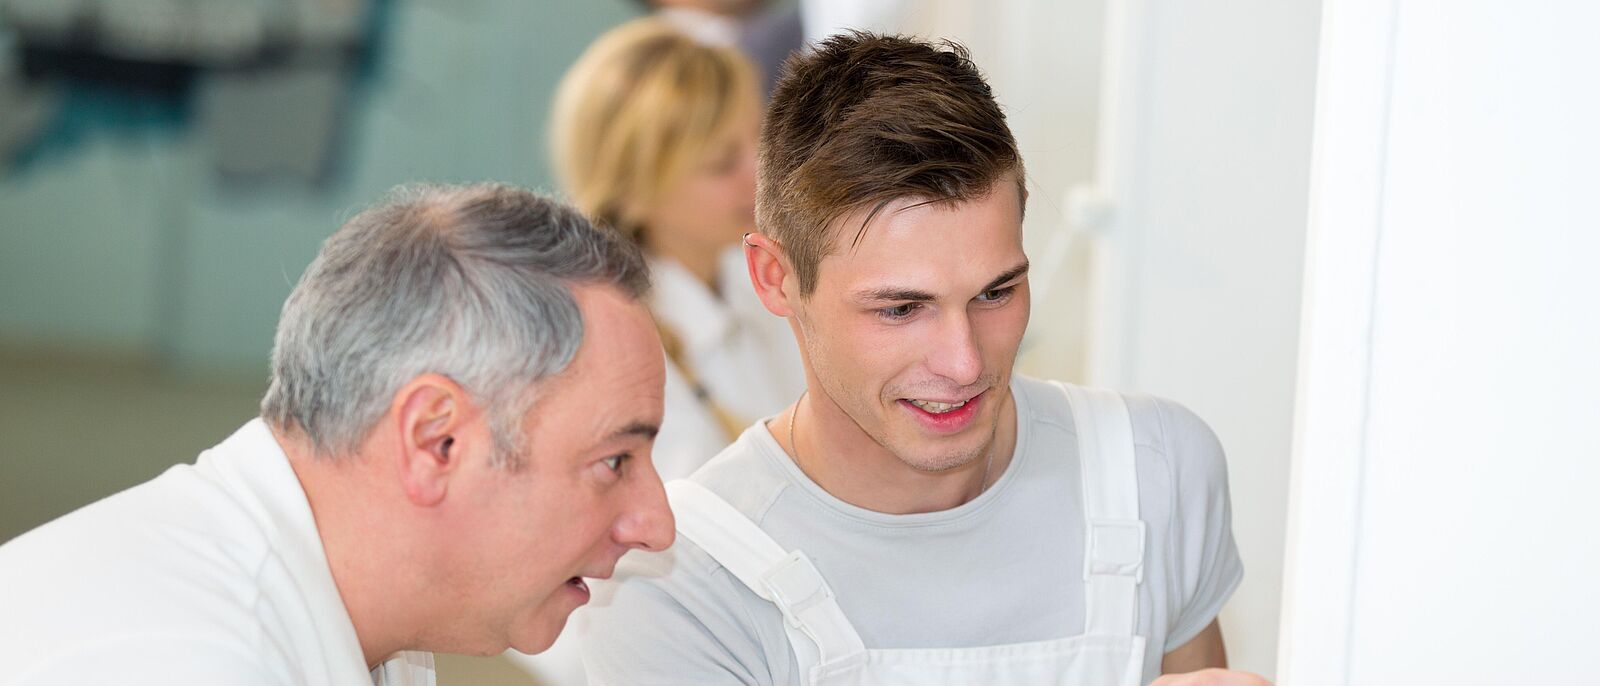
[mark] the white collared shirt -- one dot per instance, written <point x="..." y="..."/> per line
<point x="743" y="355"/>
<point x="211" y="573"/>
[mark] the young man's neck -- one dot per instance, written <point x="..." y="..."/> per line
<point x="850" y="465"/>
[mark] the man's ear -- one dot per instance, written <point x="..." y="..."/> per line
<point x="774" y="282"/>
<point x="433" y="414"/>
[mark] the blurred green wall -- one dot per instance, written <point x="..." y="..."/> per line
<point x="124" y="242"/>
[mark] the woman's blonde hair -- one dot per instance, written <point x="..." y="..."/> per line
<point x="638" y="110"/>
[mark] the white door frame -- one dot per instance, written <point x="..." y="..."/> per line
<point x="1332" y="399"/>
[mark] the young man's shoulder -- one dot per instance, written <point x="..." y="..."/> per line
<point x="1160" y="425"/>
<point x="749" y="474"/>
<point x="679" y="616"/>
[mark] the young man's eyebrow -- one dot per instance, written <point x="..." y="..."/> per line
<point x="1010" y="274"/>
<point x="891" y="294"/>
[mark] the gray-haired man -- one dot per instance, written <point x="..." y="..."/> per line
<point x="464" y="393"/>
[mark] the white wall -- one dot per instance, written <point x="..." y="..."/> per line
<point x="1446" y="457"/>
<point x="1205" y="149"/>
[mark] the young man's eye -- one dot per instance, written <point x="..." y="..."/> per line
<point x="898" y="311"/>
<point x="995" y="295"/>
<point x="614" y="463"/>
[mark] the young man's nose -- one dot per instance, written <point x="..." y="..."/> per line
<point x="954" y="351"/>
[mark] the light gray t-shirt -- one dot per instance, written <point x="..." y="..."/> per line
<point x="1003" y="568"/>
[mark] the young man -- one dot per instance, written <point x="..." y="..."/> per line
<point x="920" y="515"/>
<point x="464" y="391"/>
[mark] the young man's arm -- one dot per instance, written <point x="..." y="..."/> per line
<point x="1206" y="559"/>
<point x="1204" y="651"/>
<point x="1203" y="662"/>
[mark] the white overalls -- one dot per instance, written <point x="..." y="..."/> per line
<point x="830" y="652"/>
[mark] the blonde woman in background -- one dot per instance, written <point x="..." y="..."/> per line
<point x="654" y="134"/>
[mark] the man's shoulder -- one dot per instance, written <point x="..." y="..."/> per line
<point x="168" y="556"/>
<point x="164" y="523"/>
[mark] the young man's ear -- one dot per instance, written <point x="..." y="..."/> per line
<point x="775" y="284"/>
<point x="432" y="412"/>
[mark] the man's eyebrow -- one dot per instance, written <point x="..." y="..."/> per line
<point x="642" y="429"/>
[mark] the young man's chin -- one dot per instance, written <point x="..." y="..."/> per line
<point x="939" y="455"/>
<point x="948" y="453"/>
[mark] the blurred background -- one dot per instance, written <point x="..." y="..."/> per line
<point x="167" y="170"/>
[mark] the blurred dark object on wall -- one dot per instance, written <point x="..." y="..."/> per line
<point x="767" y="31"/>
<point x="25" y="104"/>
<point x="263" y="81"/>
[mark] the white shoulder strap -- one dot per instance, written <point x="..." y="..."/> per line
<point x="816" y="627"/>
<point x="1113" y="556"/>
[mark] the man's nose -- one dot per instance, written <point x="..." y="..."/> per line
<point x="648" y="522"/>
<point x="954" y="353"/>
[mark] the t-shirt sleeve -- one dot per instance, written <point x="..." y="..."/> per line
<point x="1205" y="558"/>
<point x="672" y="618"/>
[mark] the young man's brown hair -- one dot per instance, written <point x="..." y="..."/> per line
<point x="865" y="119"/>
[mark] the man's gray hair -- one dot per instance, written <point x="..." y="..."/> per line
<point x="471" y="282"/>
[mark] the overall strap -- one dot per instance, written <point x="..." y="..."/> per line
<point x="1114" y="540"/>
<point x="816" y="627"/>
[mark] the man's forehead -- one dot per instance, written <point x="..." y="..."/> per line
<point x="614" y="383"/>
<point x="589" y="411"/>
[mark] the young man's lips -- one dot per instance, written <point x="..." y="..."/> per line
<point x="950" y="421"/>
<point x="953" y="400"/>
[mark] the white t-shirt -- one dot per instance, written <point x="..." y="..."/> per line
<point x="1004" y="568"/>
<point x="208" y="574"/>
